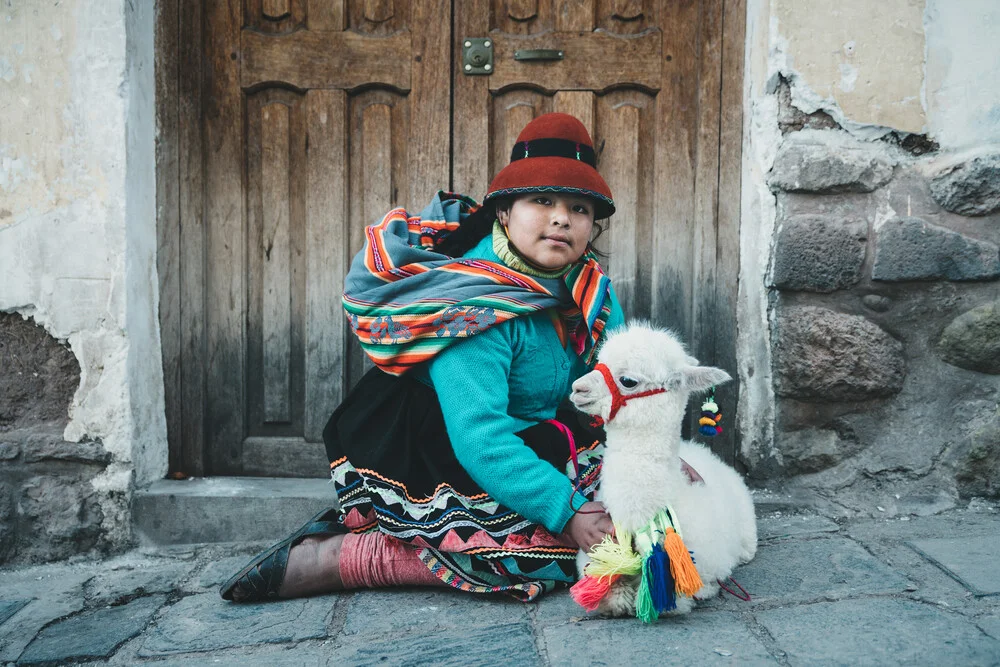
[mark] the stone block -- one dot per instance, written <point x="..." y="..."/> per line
<point x="91" y="635"/>
<point x="66" y="515"/>
<point x="913" y="249"/>
<point x="826" y="567"/>
<point x="51" y="447"/>
<point x="828" y="162"/>
<point x="972" y="340"/>
<point x="970" y="187"/>
<point x="970" y="559"/>
<point x="823" y="355"/>
<point x="145" y="578"/>
<point x="813" y="449"/>
<point x="38" y="374"/>
<point x="207" y="623"/>
<point x="10" y="607"/>
<point x="975" y="456"/>
<point x="699" y="638"/>
<point x="500" y="644"/>
<point x="9" y="450"/>
<point x="427" y="610"/>
<point x="818" y="253"/>
<point x="779" y="526"/>
<point x="891" y="632"/>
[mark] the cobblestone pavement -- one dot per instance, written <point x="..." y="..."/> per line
<point x="879" y="591"/>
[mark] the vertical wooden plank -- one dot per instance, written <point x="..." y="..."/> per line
<point x="224" y="217"/>
<point x="275" y="262"/>
<point x="574" y="15"/>
<point x="191" y="193"/>
<point x="676" y="114"/>
<point x="326" y="256"/>
<point x="705" y="311"/>
<point x="275" y="9"/>
<point x="579" y="104"/>
<point x="618" y="165"/>
<point x="167" y="58"/>
<point x="371" y="157"/>
<point x="429" y="103"/>
<point x="326" y="15"/>
<point x="509" y="125"/>
<point x="379" y="10"/>
<point x="471" y="112"/>
<point x="728" y="254"/>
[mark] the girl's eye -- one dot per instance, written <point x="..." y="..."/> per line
<point x="542" y="200"/>
<point x="628" y="382"/>
<point x="581" y="209"/>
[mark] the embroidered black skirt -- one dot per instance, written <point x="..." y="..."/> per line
<point x="394" y="470"/>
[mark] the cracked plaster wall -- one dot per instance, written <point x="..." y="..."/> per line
<point x="77" y="219"/>
<point x="913" y="74"/>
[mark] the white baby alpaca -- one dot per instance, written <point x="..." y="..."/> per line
<point x="642" y="474"/>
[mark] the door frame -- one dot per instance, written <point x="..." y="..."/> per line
<point x="712" y="143"/>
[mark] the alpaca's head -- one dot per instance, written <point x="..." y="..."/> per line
<point x="641" y="358"/>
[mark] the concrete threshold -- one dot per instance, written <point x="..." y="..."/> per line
<point x="226" y="509"/>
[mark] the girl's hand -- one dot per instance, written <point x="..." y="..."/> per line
<point x="588" y="526"/>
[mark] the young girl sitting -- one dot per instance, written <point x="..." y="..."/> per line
<point x="453" y="460"/>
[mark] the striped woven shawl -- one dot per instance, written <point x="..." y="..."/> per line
<point x="406" y="302"/>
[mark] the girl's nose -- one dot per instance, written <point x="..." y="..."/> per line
<point x="560" y="214"/>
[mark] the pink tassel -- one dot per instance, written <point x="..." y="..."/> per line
<point x="589" y="591"/>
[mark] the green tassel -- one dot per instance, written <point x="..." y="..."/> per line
<point x="645" y="611"/>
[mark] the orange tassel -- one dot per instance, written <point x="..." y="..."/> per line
<point x="589" y="591"/>
<point x="686" y="578"/>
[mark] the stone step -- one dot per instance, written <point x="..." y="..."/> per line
<point x="226" y="509"/>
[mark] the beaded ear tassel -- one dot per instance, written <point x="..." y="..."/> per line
<point x="708" y="425"/>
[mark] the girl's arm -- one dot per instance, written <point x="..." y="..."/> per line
<point x="471" y="381"/>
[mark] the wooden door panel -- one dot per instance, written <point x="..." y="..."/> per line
<point x="306" y="137"/>
<point x="645" y="76"/>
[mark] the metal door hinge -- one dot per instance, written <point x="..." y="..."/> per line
<point x="477" y="55"/>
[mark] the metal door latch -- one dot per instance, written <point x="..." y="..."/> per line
<point x="477" y="55"/>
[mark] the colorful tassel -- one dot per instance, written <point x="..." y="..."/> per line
<point x="710" y="417"/>
<point x="645" y="611"/>
<point x="661" y="584"/>
<point x="589" y="591"/>
<point x="614" y="558"/>
<point x="687" y="581"/>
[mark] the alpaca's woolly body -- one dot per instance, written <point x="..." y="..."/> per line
<point x="642" y="474"/>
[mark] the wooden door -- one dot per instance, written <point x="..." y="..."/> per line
<point x="658" y="83"/>
<point x="286" y="126"/>
<point x="299" y="122"/>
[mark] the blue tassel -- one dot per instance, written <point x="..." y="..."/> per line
<point x="707" y="430"/>
<point x="661" y="584"/>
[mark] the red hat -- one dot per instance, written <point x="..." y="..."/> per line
<point x="554" y="153"/>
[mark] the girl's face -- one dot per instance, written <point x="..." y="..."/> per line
<point x="550" y="230"/>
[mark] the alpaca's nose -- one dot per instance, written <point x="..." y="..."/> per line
<point x="582" y="386"/>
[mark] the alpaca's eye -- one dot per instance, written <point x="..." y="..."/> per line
<point x="628" y="382"/>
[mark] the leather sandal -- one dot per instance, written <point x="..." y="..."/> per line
<point x="261" y="578"/>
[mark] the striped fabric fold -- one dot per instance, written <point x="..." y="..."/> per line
<point x="406" y="302"/>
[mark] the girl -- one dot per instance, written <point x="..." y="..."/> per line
<point x="453" y="459"/>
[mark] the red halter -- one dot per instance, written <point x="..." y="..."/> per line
<point x="618" y="400"/>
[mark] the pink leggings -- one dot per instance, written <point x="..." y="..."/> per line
<point x="375" y="560"/>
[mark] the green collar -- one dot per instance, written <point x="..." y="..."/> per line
<point x="509" y="256"/>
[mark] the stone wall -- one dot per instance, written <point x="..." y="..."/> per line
<point x="77" y="257"/>
<point x="48" y="506"/>
<point x="885" y="321"/>
<point x="870" y="252"/>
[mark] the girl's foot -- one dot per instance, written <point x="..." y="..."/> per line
<point x="313" y="568"/>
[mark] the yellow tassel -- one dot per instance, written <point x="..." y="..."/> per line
<point x="705" y="421"/>
<point x="686" y="578"/>
<point x="610" y="558"/>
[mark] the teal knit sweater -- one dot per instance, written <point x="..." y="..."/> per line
<point x="503" y="380"/>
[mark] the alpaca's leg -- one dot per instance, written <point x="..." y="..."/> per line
<point x="684" y="606"/>
<point x="620" y="600"/>
<point x="708" y="590"/>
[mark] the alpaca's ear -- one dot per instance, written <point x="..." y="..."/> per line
<point x="700" y="378"/>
